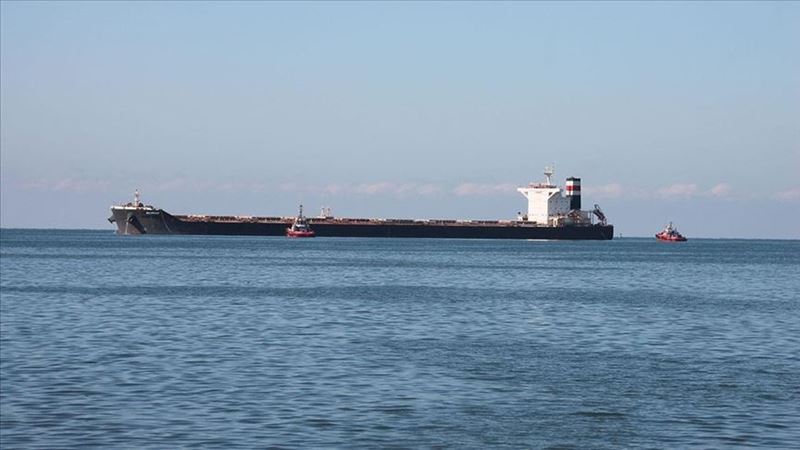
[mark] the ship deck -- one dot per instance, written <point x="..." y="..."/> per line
<point x="363" y="221"/>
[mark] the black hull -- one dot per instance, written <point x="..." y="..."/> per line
<point x="134" y="222"/>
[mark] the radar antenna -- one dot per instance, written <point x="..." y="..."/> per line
<point x="136" y="196"/>
<point x="548" y="172"/>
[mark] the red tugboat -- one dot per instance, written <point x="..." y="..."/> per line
<point x="300" y="227"/>
<point x="670" y="234"/>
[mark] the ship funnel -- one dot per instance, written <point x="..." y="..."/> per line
<point x="574" y="192"/>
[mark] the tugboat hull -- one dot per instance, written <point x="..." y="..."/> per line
<point x="671" y="239"/>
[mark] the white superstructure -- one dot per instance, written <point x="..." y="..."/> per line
<point x="136" y="204"/>
<point x="547" y="205"/>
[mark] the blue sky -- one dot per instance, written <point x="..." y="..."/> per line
<point x="668" y="111"/>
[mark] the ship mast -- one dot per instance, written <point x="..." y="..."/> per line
<point x="548" y="172"/>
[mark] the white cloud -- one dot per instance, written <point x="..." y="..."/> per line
<point x="333" y="189"/>
<point x="175" y="184"/>
<point x="414" y="189"/>
<point x="185" y="185"/>
<point x="428" y="189"/>
<point x="377" y="188"/>
<point x="720" y="190"/>
<point x="67" y="185"/>
<point x="611" y="190"/>
<point x="242" y="186"/>
<point x="673" y="191"/>
<point x="678" y="191"/>
<point x="35" y="185"/>
<point x="387" y="187"/>
<point x="288" y="187"/>
<point x="467" y="189"/>
<point x="790" y="195"/>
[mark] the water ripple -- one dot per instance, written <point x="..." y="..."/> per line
<point x="164" y="342"/>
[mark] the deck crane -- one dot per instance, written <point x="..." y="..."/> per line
<point x="599" y="213"/>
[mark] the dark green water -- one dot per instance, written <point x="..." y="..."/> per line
<point x="223" y="342"/>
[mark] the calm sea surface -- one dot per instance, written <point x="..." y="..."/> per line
<point x="223" y="342"/>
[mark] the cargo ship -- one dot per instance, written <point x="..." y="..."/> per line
<point x="553" y="213"/>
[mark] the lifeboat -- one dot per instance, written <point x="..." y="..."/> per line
<point x="670" y="234"/>
<point x="300" y="228"/>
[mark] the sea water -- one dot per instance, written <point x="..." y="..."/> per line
<point x="254" y="342"/>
